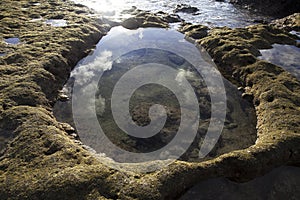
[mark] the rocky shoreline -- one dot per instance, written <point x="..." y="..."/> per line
<point x="40" y="159"/>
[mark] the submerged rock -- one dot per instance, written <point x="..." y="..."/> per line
<point x="185" y="8"/>
<point x="240" y="115"/>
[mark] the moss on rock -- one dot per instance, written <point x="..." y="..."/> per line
<point x="147" y="19"/>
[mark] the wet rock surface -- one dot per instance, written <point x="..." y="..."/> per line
<point x="41" y="160"/>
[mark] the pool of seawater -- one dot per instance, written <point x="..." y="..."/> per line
<point x="286" y="56"/>
<point x="212" y="13"/>
<point x="179" y="76"/>
<point x="12" y="41"/>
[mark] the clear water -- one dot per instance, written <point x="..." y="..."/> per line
<point x="286" y="56"/>
<point x="13" y="40"/>
<point x="295" y="33"/>
<point x="123" y="50"/>
<point x="211" y="13"/>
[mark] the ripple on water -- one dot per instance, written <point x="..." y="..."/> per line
<point x="211" y="13"/>
<point x="286" y="56"/>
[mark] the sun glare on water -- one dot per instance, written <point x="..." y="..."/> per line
<point x="108" y="8"/>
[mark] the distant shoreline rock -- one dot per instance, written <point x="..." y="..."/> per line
<point x="185" y="8"/>
<point x="275" y="8"/>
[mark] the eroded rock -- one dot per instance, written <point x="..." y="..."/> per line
<point x="194" y="31"/>
<point x="289" y="23"/>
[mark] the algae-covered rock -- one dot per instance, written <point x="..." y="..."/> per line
<point x="194" y="31"/>
<point x="147" y="19"/>
<point x="289" y="23"/>
<point x="33" y="145"/>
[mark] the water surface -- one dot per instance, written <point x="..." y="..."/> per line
<point x="12" y="41"/>
<point x="155" y="47"/>
<point x="56" y="22"/>
<point x="211" y="12"/>
<point x="286" y="56"/>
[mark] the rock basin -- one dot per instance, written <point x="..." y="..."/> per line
<point x="239" y="131"/>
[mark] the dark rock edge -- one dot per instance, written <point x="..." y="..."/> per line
<point x="275" y="8"/>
